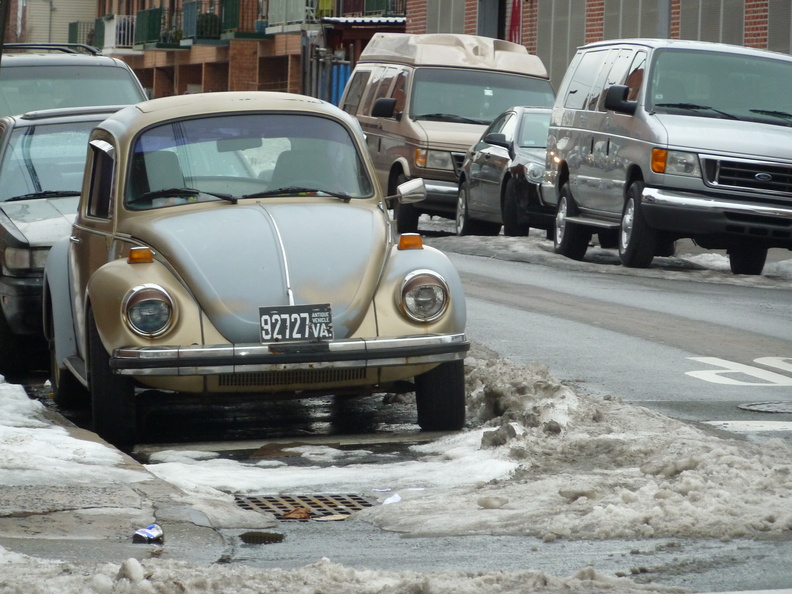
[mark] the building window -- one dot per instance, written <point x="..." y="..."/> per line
<point x="445" y="16"/>
<point x="721" y="21"/>
<point x="561" y="30"/>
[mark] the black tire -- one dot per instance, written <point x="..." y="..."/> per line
<point x="467" y="226"/>
<point x="637" y="240"/>
<point x="440" y="397"/>
<point x="405" y="214"/>
<point x="512" y="226"/>
<point x="570" y="239"/>
<point x="112" y="396"/>
<point x="12" y="363"/>
<point x="748" y="260"/>
<point x="67" y="391"/>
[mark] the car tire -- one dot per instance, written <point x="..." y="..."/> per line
<point x="467" y="226"/>
<point x="570" y="239"/>
<point x="405" y="214"/>
<point x="637" y="240"/>
<point x="440" y="397"/>
<point x="112" y="396"/>
<point x="510" y="213"/>
<point x="67" y="391"/>
<point x="747" y="260"/>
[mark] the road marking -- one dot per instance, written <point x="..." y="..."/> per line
<point x="752" y="426"/>
<point x="722" y="376"/>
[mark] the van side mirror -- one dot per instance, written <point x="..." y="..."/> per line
<point x="384" y="107"/>
<point x="616" y="100"/>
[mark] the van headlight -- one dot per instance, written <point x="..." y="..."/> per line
<point x="675" y="162"/>
<point x="424" y="296"/>
<point x="427" y="159"/>
<point x="148" y="310"/>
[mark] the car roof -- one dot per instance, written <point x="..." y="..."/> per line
<point x="712" y="46"/>
<point x="61" y="115"/>
<point x="11" y="60"/>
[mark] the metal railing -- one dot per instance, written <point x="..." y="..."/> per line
<point x="201" y="19"/>
<point x="83" y="32"/>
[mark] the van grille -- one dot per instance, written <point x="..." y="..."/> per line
<point x="757" y="176"/>
<point x="459" y="159"/>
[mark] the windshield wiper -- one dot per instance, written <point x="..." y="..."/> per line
<point x="697" y="107"/>
<point x="298" y="190"/>
<point x="769" y="112"/>
<point x="179" y="193"/>
<point x="448" y="117"/>
<point x="45" y="194"/>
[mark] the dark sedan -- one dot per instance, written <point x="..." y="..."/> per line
<point x="499" y="181"/>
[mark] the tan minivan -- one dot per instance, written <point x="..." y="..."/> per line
<point x="423" y="100"/>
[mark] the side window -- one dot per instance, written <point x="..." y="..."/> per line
<point x="385" y="83"/>
<point x="368" y="100"/>
<point x="399" y="92"/>
<point x="102" y="169"/>
<point x="583" y="79"/>
<point x="618" y="72"/>
<point x="597" y="89"/>
<point x="356" y="87"/>
<point x="509" y="127"/>
<point x="635" y="75"/>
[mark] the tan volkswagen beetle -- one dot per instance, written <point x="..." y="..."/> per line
<point x="238" y="242"/>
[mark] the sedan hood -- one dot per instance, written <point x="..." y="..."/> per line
<point x="42" y="221"/>
<point x="729" y="137"/>
<point x="237" y="258"/>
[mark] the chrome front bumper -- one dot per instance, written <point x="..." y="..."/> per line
<point x="659" y="197"/>
<point x="243" y="358"/>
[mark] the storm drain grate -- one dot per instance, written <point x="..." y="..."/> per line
<point x="320" y="506"/>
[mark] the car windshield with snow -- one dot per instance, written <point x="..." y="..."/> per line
<point x="239" y="243"/>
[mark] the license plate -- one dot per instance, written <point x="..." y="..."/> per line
<point x="296" y="322"/>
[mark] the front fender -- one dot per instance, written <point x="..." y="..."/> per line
<point x="111" y="283"/>
<point x="57" y="306"/>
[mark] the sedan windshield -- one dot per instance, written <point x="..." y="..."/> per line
<point x="231" y="157"/>
<point x="721" y="85"/>
<point x="45" y="161"/>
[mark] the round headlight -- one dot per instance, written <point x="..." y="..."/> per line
<point x="148" y="310"/>
<point x="534" y="173"/>
<point x="424" y="296"/>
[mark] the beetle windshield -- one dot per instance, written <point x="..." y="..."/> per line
<point x="245" y="155"/>
<point x="44" y="161"/>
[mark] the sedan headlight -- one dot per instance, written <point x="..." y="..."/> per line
<point x="424" y="296"/>
<point x="25" y="259"/>
<point x="148" y="310"/>
<point x="434" y="159"/>
<point x="675" y="163"/>
<point x="534" y="173"/>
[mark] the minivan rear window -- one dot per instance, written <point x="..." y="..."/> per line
<point x="31" y="88"/>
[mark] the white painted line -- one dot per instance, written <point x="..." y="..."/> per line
<point x="751" y="426"/>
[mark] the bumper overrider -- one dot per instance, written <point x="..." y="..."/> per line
<point x="237" y="358"/>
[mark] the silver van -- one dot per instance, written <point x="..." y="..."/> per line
<point x="423" y="100"/>
<point x="652" y="140"/>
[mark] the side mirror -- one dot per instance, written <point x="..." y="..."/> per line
<point x="497" y="140"/>
<point x="384" y="107"/>
<point x="411" y="191"/>
<point x="616" y="100"/>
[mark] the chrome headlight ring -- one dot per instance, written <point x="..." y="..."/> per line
<point x="148" y="310"/>
<point x="424" y="296"/>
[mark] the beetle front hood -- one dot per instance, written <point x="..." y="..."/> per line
<point x="42" y="221"/>
<point x="719" y="136"/>
<point x="237" y="258"/>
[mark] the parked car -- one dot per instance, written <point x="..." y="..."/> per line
<point x="655" y="140"/>
<point x="187" y="272"/>
<point x="500" y="179"/>
<point x="42" y="159"/>
<point x="35" y="76"/>
<point x="422" y="100"/>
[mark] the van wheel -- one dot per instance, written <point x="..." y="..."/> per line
<point x="112" y="396"/>
<point x="440" y="397"/>
<point x="510" y="214"/>
<point x="570" y="239"/>
<point x="405" y="214"/>
<point x="637" y="240"/>
<point x="747" y="260"/>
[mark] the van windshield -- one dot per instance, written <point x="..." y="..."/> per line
<point x="473" y="96"/>
<point x="30" y="88"/>
<point x="721" y="85"/>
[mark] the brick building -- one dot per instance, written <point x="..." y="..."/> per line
<point x="182" y="46"/>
